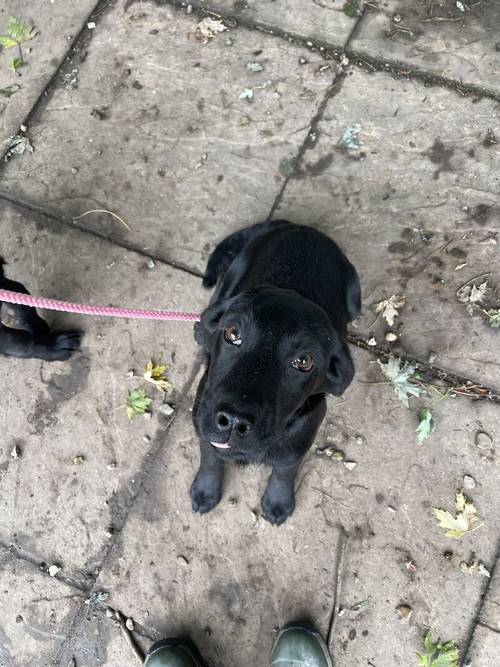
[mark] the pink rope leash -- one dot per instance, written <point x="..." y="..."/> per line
<point x="101" y="311"/>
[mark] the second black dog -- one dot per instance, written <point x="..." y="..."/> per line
<point x="31" y="337"/>
<point x="274" y="335"/>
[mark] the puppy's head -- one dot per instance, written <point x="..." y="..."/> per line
<point x="268" y="350"/>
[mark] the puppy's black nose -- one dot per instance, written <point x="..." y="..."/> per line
<point x="228" y="421"/>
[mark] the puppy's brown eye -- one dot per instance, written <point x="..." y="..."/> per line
<point x="233" y="335"/>
<point x="303" y="363"/>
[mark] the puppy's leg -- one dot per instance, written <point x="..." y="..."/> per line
<point x="32" y="337"/>
<point x="53" y="347"/>
<point x="206" y="489"/>
<point x="353" y="296"/>
<point x="278" y="501"/>
<point x="26" y="318"/>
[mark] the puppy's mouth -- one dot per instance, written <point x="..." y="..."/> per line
<point x="220" y="445"/>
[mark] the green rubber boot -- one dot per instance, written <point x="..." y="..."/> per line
<point x="173" y="653"/>
<point x="299" y="646"/>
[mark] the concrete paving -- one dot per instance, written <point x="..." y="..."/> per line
<point x="453" y="40"/>
<point x="166" y="116"/>
<point x="326" y="22"/>
<point x="56" y="30"/>
<point x="37" y="612"/>
<point x="154" y="128"/>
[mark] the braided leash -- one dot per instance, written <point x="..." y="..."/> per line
<point x="101" y="311"/>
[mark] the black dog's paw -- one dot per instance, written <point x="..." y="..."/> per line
<point x="205" y="494"/>
<point x="64" y="344"/>
<point x="277" y="510"/>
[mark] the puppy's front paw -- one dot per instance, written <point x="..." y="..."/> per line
<point x="205" y="494"/>
<point x="277" y="510"/>
<point x="64" y="344"/>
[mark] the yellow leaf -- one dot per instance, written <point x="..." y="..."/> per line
<point x="156" y="374"/>
<point x="464" y="521"/>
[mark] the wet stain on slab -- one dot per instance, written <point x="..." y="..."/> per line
<point x="439" y="155"/>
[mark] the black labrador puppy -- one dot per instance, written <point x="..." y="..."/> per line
<point x="274" y="337"/>
<point x="31" y="336"/>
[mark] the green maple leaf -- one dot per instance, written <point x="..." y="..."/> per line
<point x="138" y="402"/>
<point x="426" y="425"/>
<point x="463" y="522"/>
<point x="18" y="32"/>
<point x="351" y="8"/>
<point x="437" y="654"/>
<point x="400" y="376"/>
<point x="494" y="317"/>
<point x="15" y="64"/>
<point x="7" y="42"/>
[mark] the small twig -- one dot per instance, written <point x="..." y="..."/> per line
<point x="129" y="637"/>
<point x="441" y="248"/>
<point x="102" y="210"/>
<point x="439" y="18"/>
<point x="341" y="547"/>
<point x="327" y="495"/>
<point x="374" y="381"/>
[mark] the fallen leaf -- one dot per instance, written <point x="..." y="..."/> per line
<point x="255" y="67"/>
<point x="247" y="94"/>
<point x="426" y="426"/>
<point x="78" y="460"/>
<point x="351" y="8"/>
<point x="208" y="28"/>
<point x="15" y="64"/>
<point x="138" y="402"/>
<point x="287" y="166"/>
<point x="20" y="32"/>
<point x="18" y="145"/>
<point x="438" y="654"/>
<point x="404" y="611"/>
<point x="494" y="317"/>
<point x="97" y="597"/>
<point x="7" y="42"/>
<point x="156" y="374"/>
<point x="473" y="567"/>
<point x="350" y="138"/>
<point x="10" y="90"/>
<point x="389" y="308"/>
<point x="400" y="376"/>
<point x="477" y="294"/>
<point x="464" y="521"/>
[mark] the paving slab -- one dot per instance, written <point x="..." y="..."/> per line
<point x="230" y="579"/>
<point x="56" y="24"/>
<point x="490" y="612"/>
<point x="159" y="131"/>
<point x="53" y="505"/>
<point x="224" y="578"/>
<point x="314" y="20"/>
<point x="485" y="648"/>
<point x="37" y="612"/>
<point x="416" y="207"/>
<point x="456" y="40"/>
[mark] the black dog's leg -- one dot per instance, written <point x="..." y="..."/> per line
<point x="206" y="489"/>
<point x="353" y="296"/>
<point x="278" y="501"/>
<point x="32" y="338"/>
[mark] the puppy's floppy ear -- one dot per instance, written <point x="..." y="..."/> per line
<point x="210" y="317"/>
<point x="340" y="370"/>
